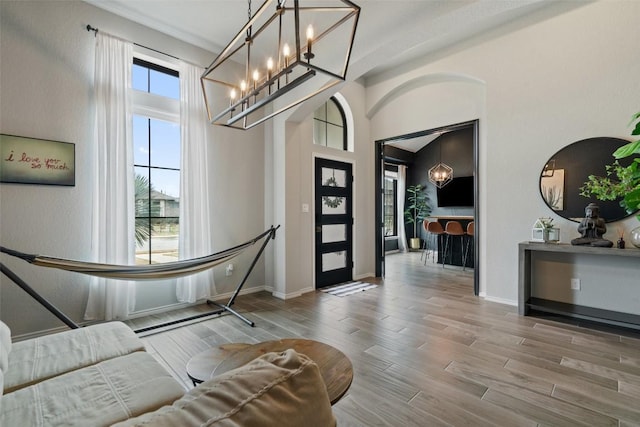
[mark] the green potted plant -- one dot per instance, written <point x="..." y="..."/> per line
<point x="622" y="182"/>
<point x="416" y="211"/>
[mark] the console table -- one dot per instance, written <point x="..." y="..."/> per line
<point x="526" y="302"/>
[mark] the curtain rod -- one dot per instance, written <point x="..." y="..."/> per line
<point x="95" y="34"/>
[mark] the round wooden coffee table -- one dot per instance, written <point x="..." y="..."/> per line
<point x="335" y="368"/>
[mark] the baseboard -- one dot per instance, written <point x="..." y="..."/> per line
<point x="363" y="276"/>
<point x="227" y="295"/>
<point x="218" y="297"/>
<point x="498" y="300"/>
<point x="160" y="310"/>
<point x="287" y="296"/>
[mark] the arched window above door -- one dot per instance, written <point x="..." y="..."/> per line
<point x="330" y="127"/>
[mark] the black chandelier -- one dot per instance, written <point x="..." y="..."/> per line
<point x="441" y="173"/>
<point x="282" y="56"/>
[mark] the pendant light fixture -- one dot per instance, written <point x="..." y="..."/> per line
<point x="282" y="56"/>
<point x="441" y="174"/>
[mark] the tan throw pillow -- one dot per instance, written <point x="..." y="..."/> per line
<point x="277" y="389"/>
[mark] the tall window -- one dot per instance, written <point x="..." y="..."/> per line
<point x="329" y="126"/>
<point x="389" y="205"/>
<point x="156" y="145"/>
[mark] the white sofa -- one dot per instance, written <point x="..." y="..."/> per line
<point x="100" y="375"/>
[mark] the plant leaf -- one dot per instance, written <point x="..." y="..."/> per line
<point x="627" y="150"/>
<point x="631" y="200"/>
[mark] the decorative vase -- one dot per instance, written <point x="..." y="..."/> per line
<point x="634" y="237"/>
<point x="414" y="243"/>
<point x="551" y="235"/>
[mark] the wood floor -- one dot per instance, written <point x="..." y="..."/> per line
<point x="426" y="352"/>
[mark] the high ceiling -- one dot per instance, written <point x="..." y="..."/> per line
<point x="390" y="32"/>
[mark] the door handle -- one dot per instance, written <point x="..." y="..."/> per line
<point x="318" y="229"/>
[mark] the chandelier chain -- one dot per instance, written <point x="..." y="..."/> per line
<point x="249" y="10"/>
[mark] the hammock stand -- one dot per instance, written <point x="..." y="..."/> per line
<point x="153" y="271"/>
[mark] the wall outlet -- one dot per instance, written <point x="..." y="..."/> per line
<point x="229" y="270"/>
<point x="575" y="284"/>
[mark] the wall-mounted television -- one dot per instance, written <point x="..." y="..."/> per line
<point x="458" y="193"/>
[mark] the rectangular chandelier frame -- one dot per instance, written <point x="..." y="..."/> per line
<point x="280" y="87"/>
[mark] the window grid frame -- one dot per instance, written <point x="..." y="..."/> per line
<point x="325" y="123"/>
<point x="149" y="167"/>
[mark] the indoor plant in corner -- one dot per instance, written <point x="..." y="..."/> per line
<point x="621" y="182"/>
<point x="416" y="211"/>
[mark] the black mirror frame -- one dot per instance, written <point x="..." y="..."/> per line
<point x="577" y="161"/>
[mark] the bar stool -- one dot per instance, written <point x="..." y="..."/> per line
<point x="425" y="248"/>
<point x="434" y="230"/>
<point x="471" y="230"/>
<point x="453" y="228"/>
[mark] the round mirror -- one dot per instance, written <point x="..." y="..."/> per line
<point x="568" y="169"/>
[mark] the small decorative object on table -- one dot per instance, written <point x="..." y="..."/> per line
<point x="620" y="244"/>
<point x="544" y="231"/>
<point x="635" y="237"/>
<point x="592" y="228"/>
<point x="537" y="231"/>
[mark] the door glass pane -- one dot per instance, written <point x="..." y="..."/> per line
<point x="333" y="205"/>
<point x="334" y="233"/>
<point x="389" y="207"/>
<point x="334" y="261"/>
<point x="334" y="177"/>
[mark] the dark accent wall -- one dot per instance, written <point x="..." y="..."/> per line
<point x="454" y="148"/>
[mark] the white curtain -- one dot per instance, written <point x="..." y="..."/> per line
<point x="402" y="186"/>
<point x="195" y="216"/>
<point x="113" y="188"/>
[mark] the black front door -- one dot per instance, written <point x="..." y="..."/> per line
<point x="333" y="222"/>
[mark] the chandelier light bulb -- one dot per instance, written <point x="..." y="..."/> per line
<point x="286" y="51"/>
<point x="269" y="68"/>
<point x="309" y="55"/>
<point x="232" y="94"/>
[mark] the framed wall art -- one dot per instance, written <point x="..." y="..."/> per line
<point x="552" y="189"/>
<point x="36" y="161"/>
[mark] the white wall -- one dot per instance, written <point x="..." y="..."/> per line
<point x="296" y="271"/>
<point x="537" y="89"/>
<point x="46" y="91"/>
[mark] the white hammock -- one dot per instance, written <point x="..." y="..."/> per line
<point x="139" y="272"/>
